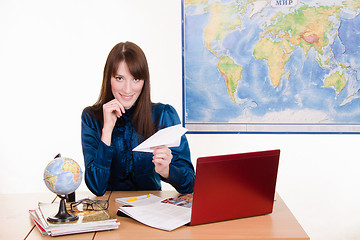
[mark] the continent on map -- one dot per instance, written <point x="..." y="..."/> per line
<point x="224" y="19"/>
<point x="354" y="5"/>
<point x="51" y="180"/>
<point x="69" y="166"/>
<point x="231" y="72"/>
<point x="307" y="27"/>
<point x="336" y="80"/>
<point x="275" y="56"/>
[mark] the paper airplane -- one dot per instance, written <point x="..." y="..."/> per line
<point x="170" y="137"/>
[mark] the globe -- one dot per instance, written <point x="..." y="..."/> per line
<point x="62" y="175"/>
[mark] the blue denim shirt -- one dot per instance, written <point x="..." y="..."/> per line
<point x="117" y="167"/>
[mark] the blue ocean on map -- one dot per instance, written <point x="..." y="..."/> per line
<point x="301" y="88"/>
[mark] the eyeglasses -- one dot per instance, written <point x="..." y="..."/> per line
<point x="87" y="204"/>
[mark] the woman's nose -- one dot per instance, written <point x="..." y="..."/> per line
<point x="127" y="86"/>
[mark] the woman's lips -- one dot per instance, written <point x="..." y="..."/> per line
<point x="127" y="97"/>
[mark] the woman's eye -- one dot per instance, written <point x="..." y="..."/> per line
<point x="119" y="78"/>
<point x="136" y="80"/>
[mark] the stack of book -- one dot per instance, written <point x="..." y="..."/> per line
<point x="88" y="221"/>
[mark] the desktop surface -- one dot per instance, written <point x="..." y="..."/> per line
<point x="280" y="224"/>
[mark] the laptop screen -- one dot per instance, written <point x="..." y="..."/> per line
<point x="234" y="186"/>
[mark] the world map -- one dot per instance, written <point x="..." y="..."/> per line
<point x="271" y="65"/>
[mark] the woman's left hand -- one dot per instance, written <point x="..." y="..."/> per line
<point x="162" y="158"/>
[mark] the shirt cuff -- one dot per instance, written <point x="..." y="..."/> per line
<point x="105" y="154"/>
<point x="175" y="176"/>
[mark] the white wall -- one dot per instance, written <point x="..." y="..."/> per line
<point x="52" y="55"/>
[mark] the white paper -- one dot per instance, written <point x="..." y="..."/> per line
<point x="170" y="137"/>
<point x="160" y="215"/>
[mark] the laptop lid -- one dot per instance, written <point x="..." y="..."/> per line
<point x="234" y="186"/>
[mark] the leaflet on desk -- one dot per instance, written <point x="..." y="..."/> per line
<point x="166" y="214"/>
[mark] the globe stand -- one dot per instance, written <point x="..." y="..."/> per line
<point x="62" y="215"/>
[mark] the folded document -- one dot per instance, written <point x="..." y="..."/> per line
<point x="170" y="137"/>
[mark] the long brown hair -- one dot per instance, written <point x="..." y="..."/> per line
<point x="136" y="61"/>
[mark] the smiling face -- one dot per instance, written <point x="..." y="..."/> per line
<point x="125" y="88"/>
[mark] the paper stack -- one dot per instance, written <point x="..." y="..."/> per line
<point x="89" y="221"/>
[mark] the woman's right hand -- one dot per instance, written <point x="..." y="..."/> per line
<point x="112" y="110"/>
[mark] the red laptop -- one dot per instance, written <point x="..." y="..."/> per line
<point x="234" y="186"/>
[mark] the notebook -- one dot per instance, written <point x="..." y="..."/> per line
<point x="234" y="186"/>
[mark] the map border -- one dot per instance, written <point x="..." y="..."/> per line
<point x="254" y="128"/>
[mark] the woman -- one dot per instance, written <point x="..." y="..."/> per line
<point x="122" y="118"/>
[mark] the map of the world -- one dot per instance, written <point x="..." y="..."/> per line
<point x="271" y="65"/>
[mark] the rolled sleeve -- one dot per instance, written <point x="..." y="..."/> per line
<point x="97" y="155"/>
<point x="181" y="170"/>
